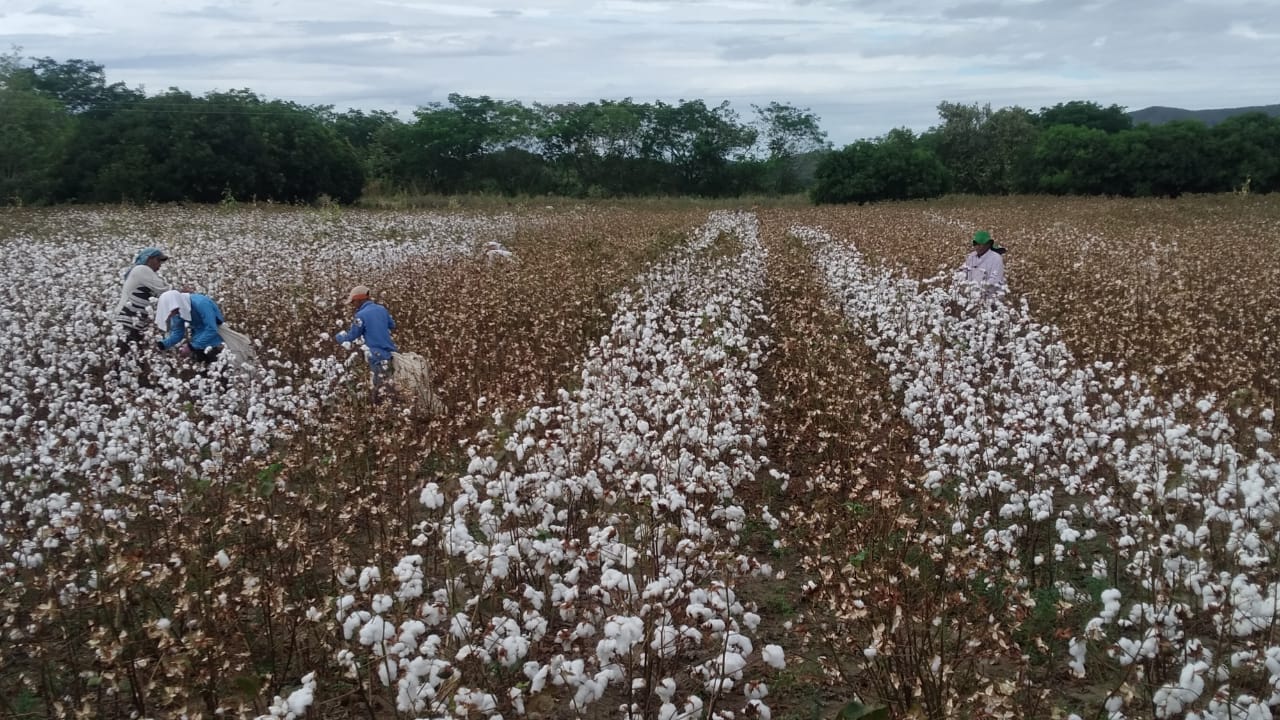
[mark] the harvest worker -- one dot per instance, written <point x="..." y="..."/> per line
<point x="179" y="311"/>
<point x="495" y="252"/>
<point x="142" y="282"/>
<point x="373" y="322"/>
<point x="985" y="264"/>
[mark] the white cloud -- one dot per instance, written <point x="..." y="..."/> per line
<point x="865" y="66"/>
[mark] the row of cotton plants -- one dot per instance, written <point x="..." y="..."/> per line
<point x="589" y="552"/>
<point x="1151" y="522"/>
<point x="83" y="427"/>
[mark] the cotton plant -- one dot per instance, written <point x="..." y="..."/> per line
<point x="1035" y="445"/>
<point x="602" y="531"/>
<point x="101" y="470"/>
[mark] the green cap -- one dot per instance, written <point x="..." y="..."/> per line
<point x="982" y="237"/>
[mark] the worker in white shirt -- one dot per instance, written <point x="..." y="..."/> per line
<point x="497" y="253"/>
<point x="142" y="282"/>
<point x="985" y="264"/>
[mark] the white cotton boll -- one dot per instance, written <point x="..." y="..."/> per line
<point x="431" y="497"/>
<point x="668" y="711"/>
<point x="301" y="699"/>
<point x="731" y="665"/>
<point x="375" y="631"/>
<point x="1077" y="648"/>
<point x="224" y="561"/>
<point x="388" y="669"/>
<point x="755" y="708"/>
<point x="666" y="690"/>
<point x="755" y="690"/>
<point x="774" y="657"/>
<point x="381" y="603"/>
<point x="460" y="626"/>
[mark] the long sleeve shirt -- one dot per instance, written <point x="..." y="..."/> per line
<point x="987" y="269"/>
<point x="205" y="319"/>
<point x="374" y="323"/>
<point x="141" y="284"/>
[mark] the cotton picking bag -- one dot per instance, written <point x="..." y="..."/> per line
<point x="411" y="373"/>
<point x="239" y="345"/>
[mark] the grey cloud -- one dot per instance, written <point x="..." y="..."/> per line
<point x="215" y="12"/>
<point x="761" y="47"/>
<point x="340" y="27"/>
<point x="165" y="60"/>
<point x="57" y="11"/>
<point x="506" y="13"/>
<point x="771" y="22"/>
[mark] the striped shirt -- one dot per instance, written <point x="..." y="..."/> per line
<point x="140" y="285"/>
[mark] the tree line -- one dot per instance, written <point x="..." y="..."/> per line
<point x="68" y="136"/>
<point x="1076" y="148"/>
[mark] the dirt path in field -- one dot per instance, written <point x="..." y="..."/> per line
<point x="856" y="575"/>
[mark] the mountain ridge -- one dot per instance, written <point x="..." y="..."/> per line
<point x="1159" y="114"/>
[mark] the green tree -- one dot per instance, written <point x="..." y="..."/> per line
<point x="897" y="166"/>
<point x="1248" y="151"/>
<point x="598" y="147"/>
<point x="33" y="135"/>
<point x="174" y="146"/>
<point x="1086" y="114"/>
<point x="365" y="133"/>
<point x="80" y="85"/>
<point x="699" y="143"/>
<point x="1072" y="159"/>
<point x="1181" y="160"/>
<point x="1010" y="137"/>
<point x="964" y="146"/>
<point x="439" y="151"/>
<point x="791" y="138"/>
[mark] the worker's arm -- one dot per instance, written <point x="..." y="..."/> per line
<point x="177" y="332"/>
<point x="356" y="331"/>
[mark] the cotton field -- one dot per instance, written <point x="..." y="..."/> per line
<point x="690" y="464"/>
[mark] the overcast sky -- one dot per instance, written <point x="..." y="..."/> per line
<point x="864" y="66"/>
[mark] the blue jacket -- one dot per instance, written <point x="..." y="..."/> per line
<point x="374" y="324"/>
<point x="205" y="319"/>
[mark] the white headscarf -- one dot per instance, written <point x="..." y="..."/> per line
<point x="172" y="300"/>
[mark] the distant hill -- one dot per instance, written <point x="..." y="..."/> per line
<point x="1157" y="115"/>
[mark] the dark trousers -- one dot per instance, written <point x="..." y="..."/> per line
<point x="131" y="342"/>
<point x="206" y="355"/>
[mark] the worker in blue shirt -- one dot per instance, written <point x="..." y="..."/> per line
<point x="373" y="323"/>
<point x="178" y="312"/>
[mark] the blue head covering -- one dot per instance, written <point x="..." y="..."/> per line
<point x="146" y="254"/>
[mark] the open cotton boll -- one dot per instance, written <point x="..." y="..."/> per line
<point x="774" y="657"/>
<point x="665" y="689"/>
